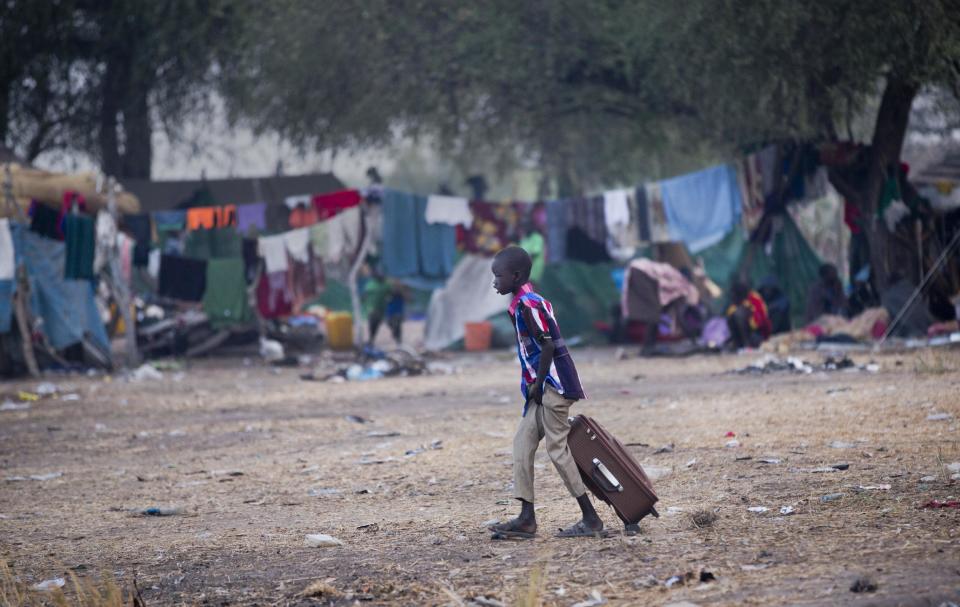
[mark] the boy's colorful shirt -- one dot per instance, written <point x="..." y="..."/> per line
<point x="759" y="318"/>
<point x="563" y="374"/>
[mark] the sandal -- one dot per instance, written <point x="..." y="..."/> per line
<point x="579" y="529"/>
<point x="509" y="531"/>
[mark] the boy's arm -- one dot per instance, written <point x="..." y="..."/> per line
<point x="543" y="339"/>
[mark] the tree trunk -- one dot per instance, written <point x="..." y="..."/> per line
<point x="4" y="111"/>
<point x="884" y="154"/>
<point x="110" y="162"/>
<point x="137" y="153"/>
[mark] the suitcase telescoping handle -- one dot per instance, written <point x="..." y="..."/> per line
<point x="603" y="477"/>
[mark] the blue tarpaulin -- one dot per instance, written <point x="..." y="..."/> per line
<point x="66" y="307"/>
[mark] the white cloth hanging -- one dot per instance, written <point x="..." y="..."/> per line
<point x="616" y="208"/>
<point x="7" y="266"/>
<point x="343" y="235"/>
<point x="273" y="249"/>
<point x="451" y="210"/>
<point x="297" y="243"/>
<point x="106" y="234"/>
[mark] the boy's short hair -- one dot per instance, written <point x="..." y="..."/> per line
<point x="516" y="260"/>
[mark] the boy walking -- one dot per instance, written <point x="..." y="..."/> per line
<point x="549" y="384"/>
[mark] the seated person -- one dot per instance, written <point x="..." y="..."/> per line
<point x="778" y="305"/>
<point x="747" y="317"/>
<point x="826" y="295"/>
<point x="383" y="299"/>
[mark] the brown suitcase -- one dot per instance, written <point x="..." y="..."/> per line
<point x="609" y="471"/>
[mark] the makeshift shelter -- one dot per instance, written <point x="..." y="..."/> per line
<point x="51" y="189"/>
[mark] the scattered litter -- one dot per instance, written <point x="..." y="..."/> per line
<point x="756" y="567"/>
<point x="12" y="406"/>
<point x="49" y="476"/>
<point x="863" y="584"/>
<point x="839" y="390"/>
<point x="691" y="463"/>
<point x="681" y="604"/>
<point x="226" y="473"/>
<point x="786" y="510"/>
<point x="758" y="509"/>
<point x="841" y="445"/>
<point x="939" y="417"/>
<point x="371" y="462"/>
<point x="28" y="396"/>
<point x="706" y="577"/>
<point x="831" y="497"/>
<point x="674" y="510"/>
<point x="146" y="372"/>
<point x="321" y="540"/>
<point x="873" y="488"/>
<point x="936" y="504"/>
<point x="489" y="523"/>
<point x="953" y="467"/>
<point x="57" y="582"/>
<point x="732" y="444"/>
<point x="840" y="466"/>
<point x="381" y="433"/>
<point x="743" y="458"/>
<point x="729" y="435"/>
<point x="664" y="449"/>
<point x="369" y="528"/>
<point x="484" y="601"/>
<point x="46" y="389"/>
<point x="927" y="479"/>
<point x="769" y="460"/>
<point x="772" y="364"/>
<point x="162" y="511"/>
<point x="647" y="582"/>
<point x="356" y="419"/>
<point x="70" y="397"/>
<point x="872" y="368"/>
<point x="594" y="599"/>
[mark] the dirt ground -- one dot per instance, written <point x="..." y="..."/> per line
<point x="257" y="459"/>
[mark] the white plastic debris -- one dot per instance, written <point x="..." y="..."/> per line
<point x="758" y="509"/>
<point x="271" y="350"/>
<point x="12" y="406"/>
<point x="786" y="510"/>
<point x="45" y="585"/>
<point x="939" y="417"/>
<point x="321" y="540"/>
<point x="146" y="372"/>
<point x="594" y="599"/>
<point x="46" y="389"/>
<point x="70" y="397"/>
<point x="732" y="444"/>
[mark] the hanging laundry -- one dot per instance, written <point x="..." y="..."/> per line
<point x="202" y="218"/>
<point x="80" y="247"/>
<point x="494" y="227"/>
<point x="140" y="228"/>
<point x="274" y="253"/>
<point x="252" y="218"/>
<point x="588" y="215"/>
<point x="6" y="304"/>
<point x="225" y="295"/>
<point x="341" y="234"/>
<point x="557" y="224"/>
<point x="305" y="281"/>
<point x="449" y="210"/>
<point x="251" y="260"/>
<point x="581" y="247"/>
<point x="125" y="246"/>
<point x="7" y="264"/>
<point x="319" y="241"/>
<point x="45" y="221"/>
<point x="400" y="254"/>
<point x="437" y="244"/>
<point x="273" y="299"/>
<point x="211" y="217"/>
<point x="303" y="216"/>
<point x="153" y="264"/>
<point x="212" y="244"/>
<point x="702" y="207"/>
<point x="620" y="214"/>
<point x="297" y="243"/>
<point x="169" y="221"/>
<point x="328" y="205"/>
<point x="182" y="278"/>
<point x="293" y="202"/>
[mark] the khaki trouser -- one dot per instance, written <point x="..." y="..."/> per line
<point x="544" y="421"/>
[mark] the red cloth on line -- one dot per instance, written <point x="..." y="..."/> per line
<point x="328" y="205"/>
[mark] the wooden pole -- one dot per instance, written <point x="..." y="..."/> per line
<point x="21" y="302"/>
<point x="118" y="285"/>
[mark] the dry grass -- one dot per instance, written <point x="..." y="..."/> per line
<point x="703" y="518"/>
<point x="82" y="593"/>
